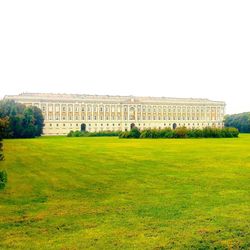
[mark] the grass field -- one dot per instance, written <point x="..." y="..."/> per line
<point x="110" y="193"/>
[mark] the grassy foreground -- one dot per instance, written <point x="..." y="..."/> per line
<point x="108" y="193"/>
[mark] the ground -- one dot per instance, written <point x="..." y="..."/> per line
<point x="110" y="193"/>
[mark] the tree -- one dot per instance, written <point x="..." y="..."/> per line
<point x="24" y="122"/>
<point x="240" y="121"/>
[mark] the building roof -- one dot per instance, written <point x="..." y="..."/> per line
<point x="105" y="98"/>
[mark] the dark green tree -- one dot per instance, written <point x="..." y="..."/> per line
<point x="24" y="122"/>
<point x="240" y="121"/>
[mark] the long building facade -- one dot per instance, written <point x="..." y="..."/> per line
<point x="65" y="112"/>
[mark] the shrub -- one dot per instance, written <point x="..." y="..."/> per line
<point x="70" y="134"/>
<point x="230" y="132"/>
<point x="78" y="133"/>
<point x="124" y="134"/>
<point x="135" y="132"/>
<point x="146" y="134"/>
<point x="195" y="133"/>
<point x="168" y="133"/>
<point x="180" y="132"/>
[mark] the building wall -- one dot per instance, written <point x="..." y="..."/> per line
<point x="63" y="114"/>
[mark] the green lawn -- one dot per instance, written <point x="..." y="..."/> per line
<point x="110" y="193"/>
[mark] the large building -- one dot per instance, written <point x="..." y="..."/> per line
<point x="65" y="112"/>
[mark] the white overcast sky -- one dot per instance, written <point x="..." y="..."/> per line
<point x="149" y="48"/>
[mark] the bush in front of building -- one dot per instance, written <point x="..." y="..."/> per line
<point x="181" y="132"/>
<point x="135" y="133"/>
<point x="195" y="133"/>
<point x="92" y="134"/>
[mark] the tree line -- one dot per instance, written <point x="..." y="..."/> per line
<point x="240" y="121"/>
<point x="20" y="121"/>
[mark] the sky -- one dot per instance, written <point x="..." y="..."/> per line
<point x="198" y="49"/>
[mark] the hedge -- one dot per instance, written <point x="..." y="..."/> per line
<point x="93" y="134"/>
<point x="181" y="132"/>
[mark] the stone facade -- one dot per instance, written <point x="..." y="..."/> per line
<point x="65" y="112"/>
